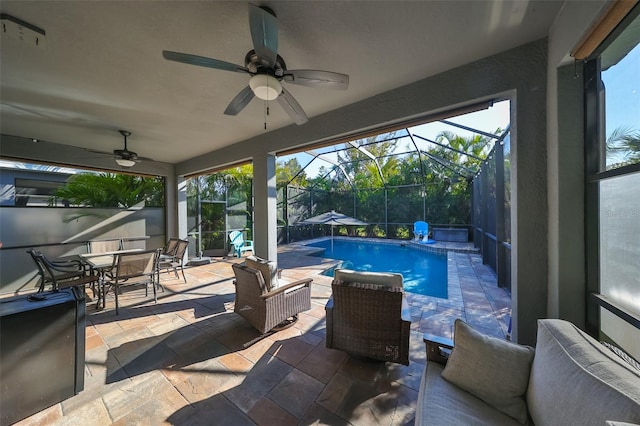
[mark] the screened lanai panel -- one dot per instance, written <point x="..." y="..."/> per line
<point x="477" y="210"/>
<point x="406" y="204"/>
<point x="212" y="187"/>
<point x="239" y="204"/>
<point x="491" y="195"/>
<point x="299" y="204"/>
<point x="342" y="202"/>
<point x="192" y="212"/>
<point x="507" y="187"/>
<point x="371" y="205"/>
<point x="320" y="202"/>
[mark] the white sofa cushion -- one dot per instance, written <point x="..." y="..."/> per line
<point x="576" y="380"/>
<point x="494" y="370"/>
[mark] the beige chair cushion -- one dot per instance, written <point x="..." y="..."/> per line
<point x="379" y="278"/>
<point x="268" y="269"/>
<point x="494" y="370"/>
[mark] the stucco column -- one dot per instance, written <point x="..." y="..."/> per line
<point x="182" y="229"/>
<point x="171" y="205"/>
<point x="265" y="220"/>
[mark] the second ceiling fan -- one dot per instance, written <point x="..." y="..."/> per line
<point x="266" y="68"/>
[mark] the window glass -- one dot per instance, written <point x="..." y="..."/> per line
<point x="620" y="63"/>
<point x="618" y="196"/>
<point x="619" y="242"/>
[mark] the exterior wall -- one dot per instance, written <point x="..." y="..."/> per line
<point x="18" y="148"/>
<point x="46" y="229"/>
<point x="565" y="147"/>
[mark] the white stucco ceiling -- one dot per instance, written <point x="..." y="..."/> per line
<point x="101" y="67"/>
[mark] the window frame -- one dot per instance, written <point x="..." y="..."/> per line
<point x="595" y="173"/>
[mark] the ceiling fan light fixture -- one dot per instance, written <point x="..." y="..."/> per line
<point x="265" y="87"/>
<point x="125" y="163"/>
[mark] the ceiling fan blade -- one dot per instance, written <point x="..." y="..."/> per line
<point x="317" y="78"/>
<point x="292" y="107"/>
<point x="187" y="58"/>
<point x="95" y="151"/>
<point x="264" y="34"/>
<point x="241" y="100"/>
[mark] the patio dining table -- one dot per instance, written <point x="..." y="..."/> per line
<point x="102" y="263"/>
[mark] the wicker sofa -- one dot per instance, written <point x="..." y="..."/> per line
<point x="569" y="379"/>
<point x="368" y="316"/>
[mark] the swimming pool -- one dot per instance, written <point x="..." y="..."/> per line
<point x="424" y="272"/>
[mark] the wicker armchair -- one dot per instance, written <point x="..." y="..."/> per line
<point x="266" y="309"/>
<point x="368" y="316"/>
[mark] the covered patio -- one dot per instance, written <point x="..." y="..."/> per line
<point x="509" y="51"/>
<point x="183" y="361"/>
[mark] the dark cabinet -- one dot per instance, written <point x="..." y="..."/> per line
<point x="42" y="345"/>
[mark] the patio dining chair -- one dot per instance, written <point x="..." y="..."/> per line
<point x="170" y="248"/>
<point x="174" y="261"/>
<point x="104" y="246"/>
<point x="62" y="273"/>
<point x="368" y="316"/>
<point x="132" y="269"/>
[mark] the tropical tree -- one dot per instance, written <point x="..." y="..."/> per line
<point x="359" y="163"/>
<point x="111" y="190"/>
<point x="623" y="147"/>
<point x="290" y="172"/>
<point x="448" y="180"/>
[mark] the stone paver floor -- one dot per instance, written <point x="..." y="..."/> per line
<point x="182" y="361"/>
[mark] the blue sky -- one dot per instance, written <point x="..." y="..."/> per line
<point x="622" y="85"/>
<point x="622" y="91"/>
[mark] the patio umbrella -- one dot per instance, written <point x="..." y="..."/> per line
<point x="332" y="218"/>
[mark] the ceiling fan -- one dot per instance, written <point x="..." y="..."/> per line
<point x="266" y="68"/>
<point x="124" y="157"/>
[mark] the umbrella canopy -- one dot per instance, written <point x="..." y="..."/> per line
<point x="332" y="218"/>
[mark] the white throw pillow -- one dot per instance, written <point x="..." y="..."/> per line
<point x="494" y="370"/>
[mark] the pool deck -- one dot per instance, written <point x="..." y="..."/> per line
<point x="183" y="361"/>
<point x="473" y="294"/>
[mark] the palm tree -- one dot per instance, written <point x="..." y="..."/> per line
<point x="623" y="147"/>
<point x="112" y="190"/>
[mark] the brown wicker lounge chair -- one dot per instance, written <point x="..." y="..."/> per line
<point x="264" y="308"/>
<point x="368" y="316"/>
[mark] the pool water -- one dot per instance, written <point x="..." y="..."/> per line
<point x="424" y="272"/>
